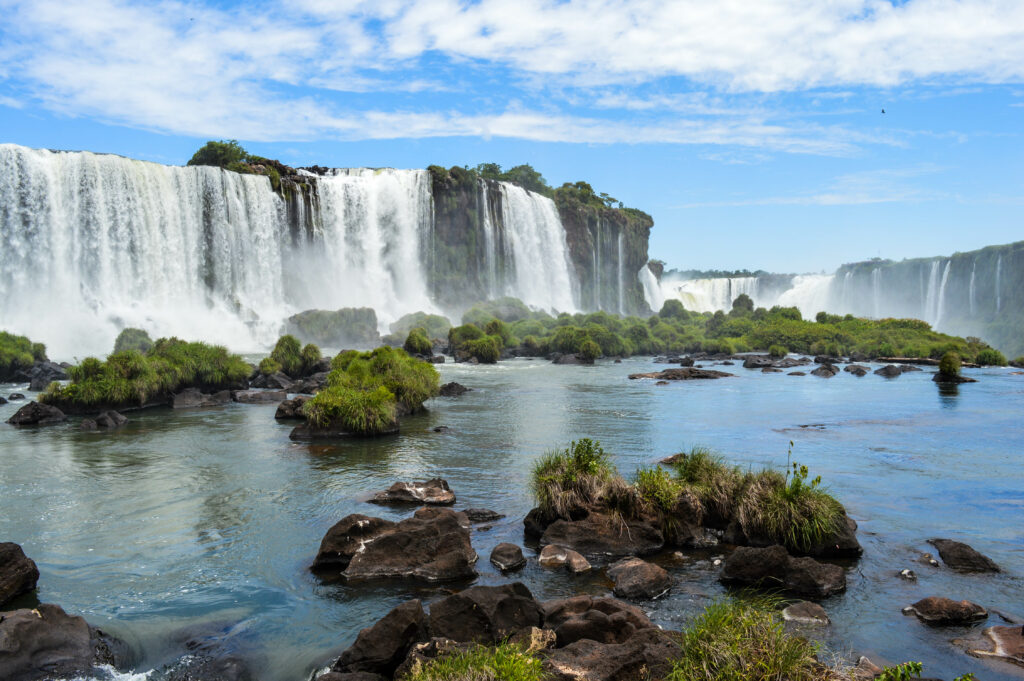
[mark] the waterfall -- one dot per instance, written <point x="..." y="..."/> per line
<point x="999" y="271"/>
<point x="90" y="243"/>
<point x="940" y="304"/>
<point x="621" y="278"/>
<point x="490" y="244"/>
<point x="709" y="295"/>
<point x="539" y="253"/>
<point x="810" y="293"/>
<point x="974" y="269"/>
<point x="876" y="291"/>
<point x="652" y="291"/>
<point x="931" y="302"/>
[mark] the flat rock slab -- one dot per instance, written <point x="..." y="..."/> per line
<point x="193" y="398"/>
<point x="960" y="556"/>
<point x="1006" y="643"/>
<point x="942" y="611"/>
<point x="18" y="572"/>
<point x="683" y="374"/>
<point x="554" y="555"/>
<point x="433" y="492"/>
<point x="602" y="535"/>
<point x="636" y="578"/>
<point x="805" y="613"/>
<point x="482" y="515"/>
<point x="259" y="396"/>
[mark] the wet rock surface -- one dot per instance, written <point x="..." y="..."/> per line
<point x="431" y="492"/>
<point x="635" y="578"/>
<point x="773" y="567"/>
<point x="292" y="409"/>
<point x="259" y="396"/>
<point x="600" y="534"/>
<point x="486" y="614"/>
<point x="380" y="648"/>
<point x="805" y="613"/>
<point x="192" y="398"/>
<point x="453" y="389"/>
<point x="18" y="572"/>
<point x="945" y="611"/>
<point x="507" y="557"/>
<point x="962" y="557"/>
<point x="554" y="555"/>
<point x="683" y="374"/>
<point x="37" y="414"/>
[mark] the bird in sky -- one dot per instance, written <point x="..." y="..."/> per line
<point x="883" y="110"/>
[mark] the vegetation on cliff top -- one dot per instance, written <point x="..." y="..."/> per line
<point x="229" y="155"/>
<point x="133" y="379"/>
<point x="18" y="353"/>
<point x="367" y="391"/>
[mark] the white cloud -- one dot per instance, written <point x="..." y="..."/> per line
<point x="292" y="73"/>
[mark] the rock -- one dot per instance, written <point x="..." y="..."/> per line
<point x="647" y="654"/>
<point x="110" y="419"/>
<point x="773" y="566"/>
<point x="18" y="572"/>
<point x="686" y="361"/>
<point x="46" y="642"/>
<point x="825" y="371"/>
<point x="535" y="522"/>
<point x="482" y="515"/>
<point x="941" y="611"/>
<point x="952" y="378"/>
<point x="258" y="396"/>
<point x="432" y="546"/>
<point x="682" y="374"/>
<point x="311" y="384"/>
<point x="87" y="424"/>
<point x="636" y="578"/>
<point x="570" y="359"/>
<point x="1006" y="643"/>
<point x="43" y="374"/>
<point x="662" y="383"/>
<point x="15" y="397"/>
<point x="843" y="544"/>
<point x="275" y="381"/>
<point x="771" y="370"/>
<point x="827" y="359"/>
<point x="3" y="400"/>
<point x="854" y="368"/>
<point x="758" y="362"/>
<point x="192" y="398"/>
<point x="485" y="614"/>
<point x="507" y="557"/>
<point x="346" y="538"/>
<point x="432" y="492"/>
<point x="928" y="559"/>
<point x="292" y="409"/>
<point x="796" y="373"/>
<point x="908" y="575"/>
<point x="553" y="555"/>
<point x="600" y="534"/>
<point x="960" y="556"/>
<point x="436" y="359"/>
<point x="586" y="613"/>
<point x="308" y="432"/>
<point x="453" y="389"/>
<point x="889" y="371"/>
<point x="533" y="639"/>
<point x="379" y="649"/>
<point x="36" y="414"/>
<point x="806" y="613"/>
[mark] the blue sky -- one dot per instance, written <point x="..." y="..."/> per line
<point x="751" y="131"/>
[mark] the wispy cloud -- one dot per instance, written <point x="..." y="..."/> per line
<point x="548" y="71"/>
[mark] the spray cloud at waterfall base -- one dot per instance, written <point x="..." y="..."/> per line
<point x="91" y="243"/>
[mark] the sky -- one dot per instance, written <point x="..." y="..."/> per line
<point x="752" y="132"/>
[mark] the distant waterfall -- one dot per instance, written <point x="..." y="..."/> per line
<point x="940" y="303"/>
<point x="709" y="295"/>
<point x="622" y="278"/>
<point x="974" y="271"/>
<point x="999" y="272"/>
<point x="876" y="291"/>
<point x="652" y="291"/>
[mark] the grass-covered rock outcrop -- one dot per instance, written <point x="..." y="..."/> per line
<point x="18" y="353"/>
<point x="344" y="328"/>
<point x="366" y="393"/>
<point x="132" y="379"/>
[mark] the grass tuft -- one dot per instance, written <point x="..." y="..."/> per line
<point x="576" y="478"/>
<point x="503" y="662"/>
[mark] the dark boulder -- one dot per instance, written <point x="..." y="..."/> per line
<point x="600" y="534"/>
<point x="110" y="419"/>
<point x="46" y="642"/>
<point x="292" y="409"/>
<point x="758" y="362"/>
<point x="14" y="397"/>
<point x="482" y="515"/>
<point x="193" y="398"/>
<point x="889" y="371"/>
<point x="771" y="370"/>
<point x="432" y="546"/>
<point x="554" y="555"/>
<point x="345" y="539"/>
<point x="311" y="384"/>
<point x="535" y="522"/>
<point x="18" y="572"/>
<point x="453" y="389"/>
<point x="646" y="654"/>
<point x="825" y="371"/>
<point x="379" y="649"/>
<point x="686" y="361"/>
<point x="952" y="378"/>
<point x="636" y="578"/>
<point x="855" y="368"/>
<point x="570" y="359"/>
<point x="3" y="400"/>
<point x="805" y="613"/>
<point x="485" y="614"/>
<point x="43" y="374"/>
<point x="773" y="567"/>
<point x="308" y="432"/>
<point x="624" y="618"/>
<point x="960" y="556"/>
<point x="36" y="414"/>
<point x="796" y="373"/>
<point x="507" y="557"/>
<point x="275" y="381"/>
<point x="843" y="544"/>
<point x="942" y="611"/>
<point x="683" y="374"/>
<point x="431" y="492"/>
<point x="259" y="396"/>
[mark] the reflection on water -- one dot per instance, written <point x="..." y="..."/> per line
<point x="203" y="523"/>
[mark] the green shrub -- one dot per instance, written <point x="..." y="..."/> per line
<point x="990" y="357"/>
<point x="18" y="353"/>
<point x="310" y="356"/>
<point x="777" y="351"/>
<point x="485" y="350"/>
<point x="434" y="325"/>
<point x="220" y="154"/>
<point x="714" y="484"/>
<point x="504" y="662"/>
<point x="499" y="330"/>
<point x="269" y="366"/>
<point x="589" y="351"/>
<point x="411" y="381"/>
<point x="901" y="672"/>
<point x="673" y="309"/>
<point x="949" y="365"/>
<point x="360" y="412"/>
<point x="657" y="487"/>
<point x="131" y="378"/>
<point x="745" y="640"/>
<point x="577" y="477"/>
<point x="288" y="353"/>
<point x="531" y="347"/>
<point x="417" y="343"/>
<point x="788" y="510"/>
<point x="133" y="339"/>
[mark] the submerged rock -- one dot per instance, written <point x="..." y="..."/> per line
<point x="192" y="398"/>
<point x="941" y="611"/>
<point x="774" y="567"/>
<point x="507" y="557"/>
<point x="806" y="613"/>
<point x="18" y="572"/>
<point x="36" y="414"/>
<point x="683" y="374"/>
<point x="111" y="419"/>
<point x="482" y="515"/>
<point x="1006" y="643"/>
<point x="960" y="556"/>
<point x="431" y="492"/>
<point x="45" y="642"/>
<point x="636" y="578"/>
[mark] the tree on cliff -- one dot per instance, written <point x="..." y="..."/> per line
<point x="220" y="154"/>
